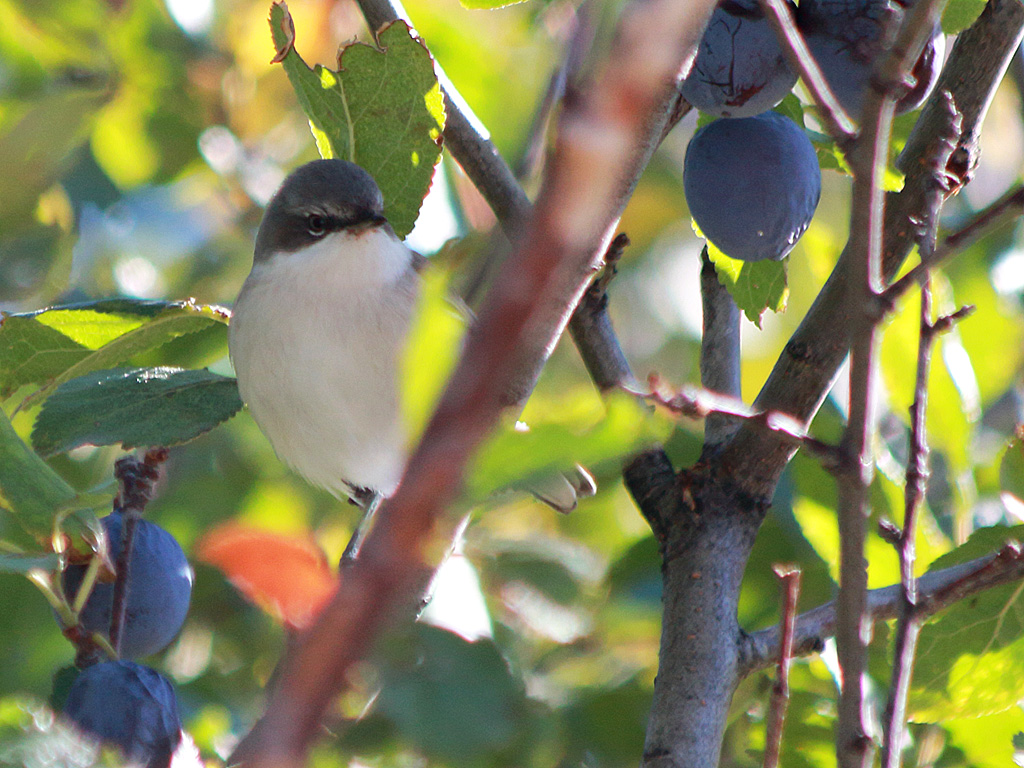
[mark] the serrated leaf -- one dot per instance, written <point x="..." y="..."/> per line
<point x="754" y="285"/>
<point x="54" y="345"/>
<point x="134" y="407"/>
<point x="971" y="657"/>
<point x="512" y="457"/>
<point x="958" y="15"/>
<point x="382" y="109"/>
<point x="32" y="491"/>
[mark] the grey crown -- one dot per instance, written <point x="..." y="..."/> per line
<point x="318" y="198"/>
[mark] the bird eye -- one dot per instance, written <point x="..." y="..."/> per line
<point x="316" y="224"/>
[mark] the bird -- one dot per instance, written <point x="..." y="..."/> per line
<point x="318" y="332"/>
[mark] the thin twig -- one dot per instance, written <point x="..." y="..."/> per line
<point x="789" y="575"/>
<point x="137" y="479"/>
<point x="1003" y="211"/>
<point x="695" y="403"/>
<point x="907" y="627"/>
<point x="833" y="117"/>
<point x="936" y="590"/>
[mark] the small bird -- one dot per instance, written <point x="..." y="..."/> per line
<point x="318" y="333"/>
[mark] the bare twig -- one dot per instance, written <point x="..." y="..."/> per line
<point x="137" y="479"/>
<point x="834" y="118"/>
<point x="697" y="403"/>
<point x="936" y="590"/>
<point x="789" y="575"/>
<point x="719" y="349"/>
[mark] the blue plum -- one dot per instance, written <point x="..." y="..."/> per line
<point x="740" y="69"/>
<point x="752" y="184"/>
<point x="159" y="589"/>
<point x="847" y="39"/>
<point x="128" y="705"/>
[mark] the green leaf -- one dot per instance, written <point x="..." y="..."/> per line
<point x="484" y="719"/>
<point x="21" y="564"/>
<point x="431" y="351"/>
<point x="134" y="407"/>
<point x="960" y="14"/>
<point x="971" y="657"/>
<point x="1011" y="470"/>
<point x="57" y="344"/>
<point x="754" y="285"/>
<point x="28" y="487"/>
<point x="382" y="109"/>
<point x="512" y="457"/>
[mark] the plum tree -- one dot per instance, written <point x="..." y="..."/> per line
<point x="128" y="705"/>
<point x="752" y="184"/>
<point x="740" y="69"/>
<point x="848" y="36"/>
<point x="159" y="589"/>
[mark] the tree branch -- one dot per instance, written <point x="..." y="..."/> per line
<point x="719" y="350"/>
<point x="937" y="590"/>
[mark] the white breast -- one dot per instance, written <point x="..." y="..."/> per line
<point x="316" y="340"/>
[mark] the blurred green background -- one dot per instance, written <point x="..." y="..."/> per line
<point x="138" y="142"/>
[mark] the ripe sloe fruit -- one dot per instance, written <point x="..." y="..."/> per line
<point x="740" y="69"/>
<point x="128" y="705"/>
<point x="752" y="184"/>
<point x="846" y="39"/>
<point x="159" y="589"/>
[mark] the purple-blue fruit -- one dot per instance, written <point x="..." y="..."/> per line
<point x="846" y="39"/>
<point x="752" y="184"/>
<point x="740" y="69"/>
<point x="159" y="589"/>
<point x="128" y="705"/>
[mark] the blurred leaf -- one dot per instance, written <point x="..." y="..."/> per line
<point x="547" y="575"/>
<point x="510" y="457"/>
<point x="971" y="657"/>
<point x="988" y="742"/>
<point x="791" y="107"/>
<point x="489" y="4"/>
<point x="382" y="109"/>
<point x="54" y="345"/>
<point x="36" y="146"/>
<point x="286" y="575"/>
<point x="11" y="563"/>
<point x="431" y="351"/>
<point x="958" y="15"/>
<point x="609" y="723"/>
<point x="134" y="407"/>
<point x="754" y="285"/>
<point x="483" y="718"/>
<point x="28" y="487"/>
<point x="1011" y="469"/>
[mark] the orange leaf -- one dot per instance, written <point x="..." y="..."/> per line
<point x="287" y="576"/>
